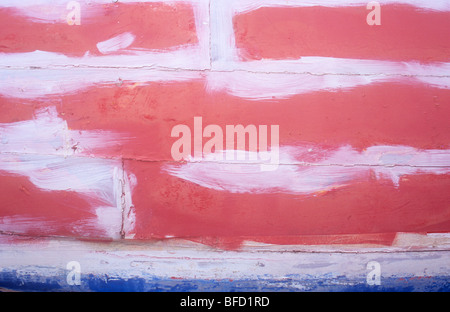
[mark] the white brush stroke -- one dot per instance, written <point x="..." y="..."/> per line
<point x="44" y="82"/>
<point x="116" y="43"/>
<point x="294" y="176"/>
<point x="281" y="86"/>
<point x="189" y="58"/>
<point x="43" y="150"/>
<point x="49" y="134"/>
<point x="93" y="178"/>
<point x="250" y="85"/>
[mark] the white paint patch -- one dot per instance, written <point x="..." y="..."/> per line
<point x="185" y="57"/>
<point x="281" y="86"/>
<point x="45" y="82"/>
<point x="93" y="178"/>
<point x="116" y="43"/>
<point x="296" y="174"/>
<point x="318" y="65"/>
<point x="49" y="134"/>
<point x="24" y="224"/>
<point x="250" y="85"/>
<point x="58" y="173"/>
<point x="46" y="151"/>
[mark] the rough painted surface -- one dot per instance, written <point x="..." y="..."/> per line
<point x="195" y="268"/>
<point x="105" y="28"/>
<point x="349" y="120"/>
<point x="292" y="33"/>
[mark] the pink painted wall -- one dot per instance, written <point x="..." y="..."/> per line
<point x="87" y="114"/>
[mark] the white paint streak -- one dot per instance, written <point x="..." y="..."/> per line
<point x="307" y="170"/>
<point x="45" y="82"/>
<point x="190" y="57"/>
<point x="342" y="66"/>
<point x="48" y="134"/>
<point x="93" y="178"/>
<point x="124" y="184"/>
<point x="117" y="43"/>
<point x="45" y="150"/>
<point x="25" y="224"/>
<point x="281" y="86"/>
<point x="250" y="85"/>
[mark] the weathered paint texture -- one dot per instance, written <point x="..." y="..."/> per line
<point x="350" y="123"/>
<point x="190" y="267"/>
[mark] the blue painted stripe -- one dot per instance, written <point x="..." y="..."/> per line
<point x="14" y="280"/>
